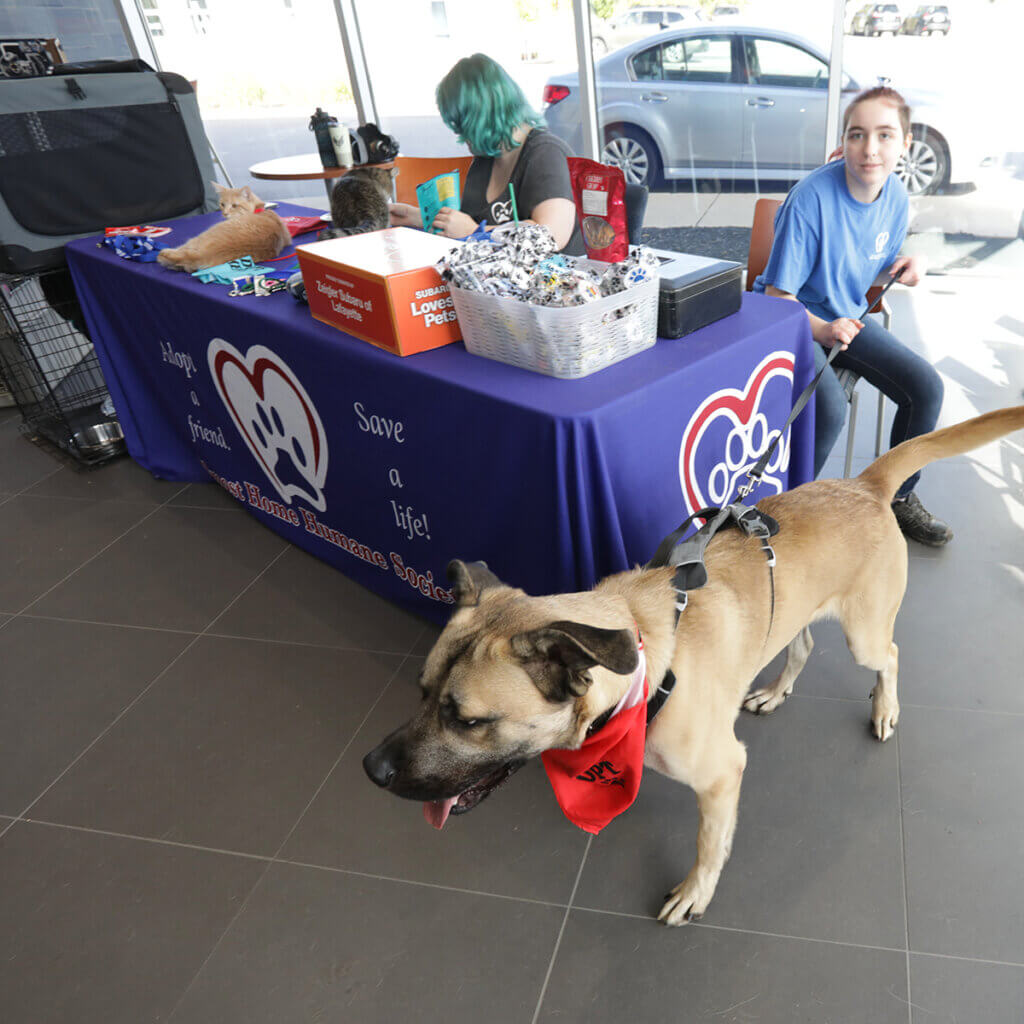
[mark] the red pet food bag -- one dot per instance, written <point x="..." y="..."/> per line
<point x="600" y="195"/>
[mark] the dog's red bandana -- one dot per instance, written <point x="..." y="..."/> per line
<point x="602" y="778"/>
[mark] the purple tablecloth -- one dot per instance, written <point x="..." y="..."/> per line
<point x="387" y="467"/>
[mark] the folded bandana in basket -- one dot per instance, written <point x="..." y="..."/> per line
<point x="601" y="780"/>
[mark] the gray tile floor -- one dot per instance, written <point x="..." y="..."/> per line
<point x="186" y="834"/>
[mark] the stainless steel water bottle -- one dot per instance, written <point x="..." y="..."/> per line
<point x="320" y="124"/>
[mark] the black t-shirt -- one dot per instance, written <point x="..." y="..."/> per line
<point x="540" y="173"/>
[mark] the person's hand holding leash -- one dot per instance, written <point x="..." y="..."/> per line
<point x="911" y="268"/>
<point x="838" y="332"/>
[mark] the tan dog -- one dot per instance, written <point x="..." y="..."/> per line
<point x="512" y="676"/>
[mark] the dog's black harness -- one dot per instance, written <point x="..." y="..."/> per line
<point x="691" y="573"/>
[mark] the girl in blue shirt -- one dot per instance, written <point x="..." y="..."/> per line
<point x="839" y="232"/>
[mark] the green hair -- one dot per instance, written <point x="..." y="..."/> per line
<point x="481" y="103"/>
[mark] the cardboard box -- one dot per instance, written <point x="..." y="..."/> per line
<point x="382" y="287"/>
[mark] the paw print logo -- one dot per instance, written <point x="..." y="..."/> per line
<point x="733" y="422"/>
<point x="275" y="417"/>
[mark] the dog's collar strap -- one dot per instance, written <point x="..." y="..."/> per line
<point x="657" y="702"/>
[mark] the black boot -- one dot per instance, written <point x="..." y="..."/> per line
<point x="917" y="523"/>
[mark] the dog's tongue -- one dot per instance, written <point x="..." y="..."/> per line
<point x="436" y="811"/>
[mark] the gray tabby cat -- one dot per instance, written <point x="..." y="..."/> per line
<point x="359" y="202"/>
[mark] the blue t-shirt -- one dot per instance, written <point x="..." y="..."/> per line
<point x="829" y="247"/>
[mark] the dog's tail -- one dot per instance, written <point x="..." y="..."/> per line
<point x="886" y="473"/>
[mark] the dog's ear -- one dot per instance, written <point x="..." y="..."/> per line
<point x="468" y="581"/>
<point x="558" y="656"/>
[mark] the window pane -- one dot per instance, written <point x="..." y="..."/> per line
<point x="440" y="15"/>
<point x="698" y="60"/>
<point x="255" y="104"/>
<point x="647" y="65"/>
<point x="533" y="41"/>
<point x="773" y="63"/>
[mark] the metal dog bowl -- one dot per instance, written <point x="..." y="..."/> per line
<point x="98" y="437"/>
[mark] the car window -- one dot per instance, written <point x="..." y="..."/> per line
<point x="672" y="16"/>
<point x="771" y="62"/>
<point x="647" y="65"/>
<point x="633" y="18"/>
<point x="698" y="59"/>
<point x="890" y="8"/>
<point x="653" y="17"/>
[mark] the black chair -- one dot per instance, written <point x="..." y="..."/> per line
<point x="636" y="207"/>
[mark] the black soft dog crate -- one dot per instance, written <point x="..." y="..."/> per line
<point x="96" y="145"/>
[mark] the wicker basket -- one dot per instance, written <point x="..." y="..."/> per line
<point x="568" y="343"/>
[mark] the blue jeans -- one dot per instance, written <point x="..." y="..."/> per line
<point x="884" y="361"/>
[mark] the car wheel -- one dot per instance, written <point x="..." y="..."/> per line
<point x="600" y="46"/>
<point x="633" y="151"/>
<point x="925" y="168"/>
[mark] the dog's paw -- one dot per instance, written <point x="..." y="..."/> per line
<point x="685" y="903"/>
<point x="885" y="713"/>
<point x="766" y="700"/>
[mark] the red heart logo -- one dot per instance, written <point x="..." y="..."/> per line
<point x="275" y="417"/>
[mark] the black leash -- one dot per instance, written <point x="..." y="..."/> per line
<point x="688" y="556"/>
<point x="754" y="474"/>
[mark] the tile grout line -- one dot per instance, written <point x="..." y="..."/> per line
<point x="109" y="501"/>
<point x="97" y="554"/>
<point x="561" y="931"/>
<point x="804" y="938"/>
<point x="138" y="697"/>
<point x="905" y="704"/>
<point x="906" y="892"/>
<point x="110" y="725"/>
<point x="307" y="865"/>
<point x="274" y="859"/>
<point x="337" y="760"/>
<point x="218" y="636"/>
<point x="18" y="494"/>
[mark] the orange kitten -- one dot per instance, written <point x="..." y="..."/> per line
<point x="244" y="233"/>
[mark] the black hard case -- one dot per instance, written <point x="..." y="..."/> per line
<point x="695" y="291"/>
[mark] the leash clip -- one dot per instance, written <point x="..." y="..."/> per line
<point x="753" y="479"/>
<point x="769" y="553"/>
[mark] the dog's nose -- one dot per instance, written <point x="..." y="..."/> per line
<point x="379" y="766"/>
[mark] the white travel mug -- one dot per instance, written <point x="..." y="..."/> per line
<point x="342" y="144"/>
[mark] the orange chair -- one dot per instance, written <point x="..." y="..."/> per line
<point x="414" y="170"/>
<point x="762" y="233"/>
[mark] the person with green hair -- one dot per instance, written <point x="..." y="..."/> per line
<point x="487" y="110"/>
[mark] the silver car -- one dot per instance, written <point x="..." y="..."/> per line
<point x="638" y="23"/>
<point x="743" y="104"/>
